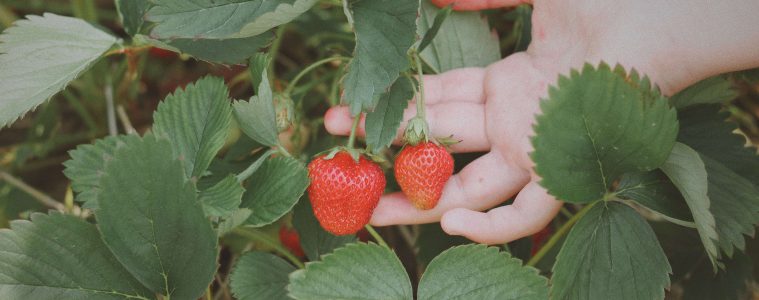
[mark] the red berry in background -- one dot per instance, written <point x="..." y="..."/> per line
<point x="539" y="239"/>
<point x="290" y="239"/>
<point x="344" y="192"/>
<point x="161" y="53"/>
<point x="363" y="235"/>
<point x="422" y="171"/>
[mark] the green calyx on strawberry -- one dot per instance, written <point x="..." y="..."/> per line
<point x="345" y="188"/>
<point x="417" y="131"/>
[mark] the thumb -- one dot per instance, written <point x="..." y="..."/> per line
<point x="478" y="4"/>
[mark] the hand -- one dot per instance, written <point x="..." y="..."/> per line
<point x="493" y="109"/>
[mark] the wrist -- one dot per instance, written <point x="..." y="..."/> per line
<point x="678" y="43"/>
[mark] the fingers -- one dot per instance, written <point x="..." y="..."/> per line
<point x="465" y="121"/>
<point x="458" y="85"/>
<point x="478" y="4"/>
<point x="531" y="211"/>
<point x="484" y="183"/>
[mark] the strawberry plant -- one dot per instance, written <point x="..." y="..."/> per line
<point x="192" y="138"/>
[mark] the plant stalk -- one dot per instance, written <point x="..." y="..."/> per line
<point x="420" y="108"/>
<point x="354" y="127"/>
<point x="274" y="50"/>
<point x="299" y="76"/>
<point x="376" y="236"/>
<point x="110" y="107"/>
<point x="560" y="234"/>
<point x="36" y="194"/>
<point x="254" y="166"/>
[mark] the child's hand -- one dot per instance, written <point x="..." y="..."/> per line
<point x="493" y="109"/>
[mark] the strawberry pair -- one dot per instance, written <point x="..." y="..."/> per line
<point x="346" y="187"/>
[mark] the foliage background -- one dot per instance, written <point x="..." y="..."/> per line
<point x="33" y="149"/>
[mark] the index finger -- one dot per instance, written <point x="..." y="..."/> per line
<point x="479" y="4"/>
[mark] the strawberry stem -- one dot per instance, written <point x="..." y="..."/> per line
<point x="376" y="235"/>
<point x="352" y="138"/>
<point x="417" y="129"/>
<point x="420" y="109"/>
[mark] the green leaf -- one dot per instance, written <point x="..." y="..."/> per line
<point x="61" y="257"/>
<point x="735" y="205"/>
<point x="230" y="51"/>
<point x="731" y="283"/>
<point x="464" y="40"/>
<point x="314" y="240"/>
<point x="382" y="124"/>
<point x="222" y="199"/>
<point x="132" y="14"/>
<point x="611" y="253"/>
<point x="222" y="19"/>
<point x="440" y="17"/>
<point x="713" y="90"/>
<point x="39" y="56"/>
<point x="260" y="275"/>
<point x="733" y="171"/>
<point x="257" y="67"/>
<point x="480" y="272"/>
<point x="656" y="192"/>
<point x="385" y="31"/>
<point x="236" y="219"/>
<point x="274" y="189"/>
<point x="706" y="130"/>
<point x="87" y="165"/>
<point x="197" y="121"/>
<point x="151" y="220"/>
<point x="356" y="271"/>
<point x="597" y="125"/>
<point x="257" y="117"/>
<point x="687" y="172"/>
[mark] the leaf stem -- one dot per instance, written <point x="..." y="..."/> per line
<point x="260" y="237"/>
<point x="282" y="150"/>
<point x="560" y="234"/>
<point x="352" y="138"/>
<point x="564" y="211"/>
<point x="36" y="194"/>
<point x="299" y="76"/>
<point x="110" y="106"/>
<point x="124" y="118"/>
<point x="254" y="166"/>
<point x="420" y="108"/>
<point x="209" y="296"/>
<point x="376" y="235"/>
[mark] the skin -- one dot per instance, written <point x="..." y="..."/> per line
<point x="676" y="43"/>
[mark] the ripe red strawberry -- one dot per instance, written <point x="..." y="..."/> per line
<point x="344" y="192"/>
<point x="422" y="171"/>
<point x="290" y="239"/>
